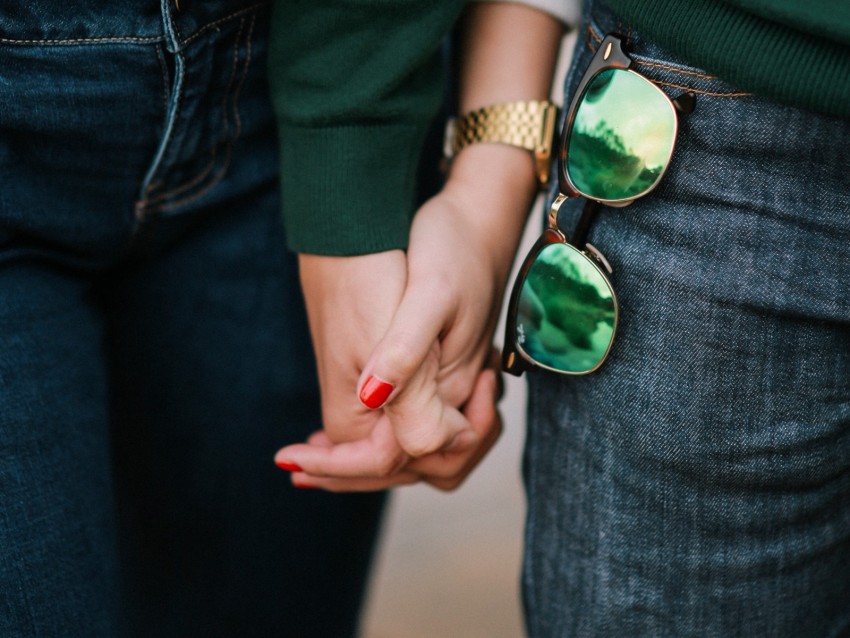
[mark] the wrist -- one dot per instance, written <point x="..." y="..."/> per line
<point x="492" y="187"/>
<point x="375" y="280"/>
<point x="497" y="182"/>
<point x="527" y="124"/>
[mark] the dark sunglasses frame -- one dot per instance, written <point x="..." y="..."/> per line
<point x="514" y="360"/>
<point x="609" y="55"/>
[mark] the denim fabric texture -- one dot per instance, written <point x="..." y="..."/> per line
<point x="154" y="350"/>
<point x="698" y="484"/>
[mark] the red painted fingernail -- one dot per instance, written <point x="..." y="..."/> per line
<point x="302" y="486"/>
<point x="375" y="392"/>
<point x="288" y="466"/>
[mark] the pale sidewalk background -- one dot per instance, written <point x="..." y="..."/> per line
<point x="448" y="565"/>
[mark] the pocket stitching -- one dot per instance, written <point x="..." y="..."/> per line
<point x="594" y="36"/>
<point x="228" y="151"/>
<point x="119" y="39"/>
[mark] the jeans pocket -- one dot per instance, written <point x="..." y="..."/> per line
<point x="78" y="126"/>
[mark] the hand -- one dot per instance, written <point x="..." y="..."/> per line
<point x="464" y="240"/>
<point x="350" y="303"/>
<point x="369" y="464"/>
<point x="462" y="245"/>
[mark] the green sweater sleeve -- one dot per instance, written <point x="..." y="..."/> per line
<point x="355" y="85"/>
<point x="794" y="51"/>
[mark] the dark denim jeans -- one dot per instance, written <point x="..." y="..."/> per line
<point x="154" y="351"/>
<point x="698" y="484"/>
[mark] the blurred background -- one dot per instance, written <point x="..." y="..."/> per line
<point x="448" y="565"/>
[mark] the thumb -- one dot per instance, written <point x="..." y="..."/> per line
<point x="409" y="340"/>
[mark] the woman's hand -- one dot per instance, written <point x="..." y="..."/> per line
<point x="462" y="245"/>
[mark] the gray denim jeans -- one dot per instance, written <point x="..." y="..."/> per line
<point x="699" y="483"/>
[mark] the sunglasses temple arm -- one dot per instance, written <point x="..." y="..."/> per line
<point x="588" y="214"/>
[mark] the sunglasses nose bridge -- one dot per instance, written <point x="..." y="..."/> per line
<point x="554" y="209"/>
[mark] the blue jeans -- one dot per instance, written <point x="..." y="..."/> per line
<point x="698" y="484"/>
<point x="154" y="350"/>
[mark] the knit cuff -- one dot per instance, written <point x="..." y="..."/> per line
<point x="348" y="190"/>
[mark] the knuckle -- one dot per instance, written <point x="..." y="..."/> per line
<point x="421" y="443"/>
<point x="399" y="357"/>
<point x="447" y="485"/>
<point x="457" y="387"/>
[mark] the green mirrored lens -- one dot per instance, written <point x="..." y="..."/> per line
<point x="567" y="311"/>
<point x="622" y="136"/>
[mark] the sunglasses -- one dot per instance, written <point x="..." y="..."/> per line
<point x="617" y="142"/>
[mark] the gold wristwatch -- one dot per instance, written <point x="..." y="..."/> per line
<point x="529" y="124"/>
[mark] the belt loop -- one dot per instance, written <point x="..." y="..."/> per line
<point x="168" y="9"/>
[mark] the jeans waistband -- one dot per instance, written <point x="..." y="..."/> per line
<point x="662" y="66"/>
<point x="175" y="22"/>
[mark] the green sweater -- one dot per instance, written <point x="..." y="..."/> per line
<point x="356" y="82"/>
<point x="794" y="51"/>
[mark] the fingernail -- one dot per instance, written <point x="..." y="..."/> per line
<point x="288" y="466"/>
<point x="375" y="392"/>
<point x="302" y="486"/>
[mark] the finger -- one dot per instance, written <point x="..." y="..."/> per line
<point x="458" y="478"/>
<point x="412" y="335"/>
<point x="494" y="362"/>
<point x="493" y="422"/>
<point x="378" y="456"/>
<point x="448" y="470"/>
<point x="423" y="423"/>
<point x="302" y="480"/>
<point x="320" y="438"/>
<point x="484" y="421"/>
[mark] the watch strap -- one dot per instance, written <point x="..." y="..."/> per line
<point x="528" y="124"/>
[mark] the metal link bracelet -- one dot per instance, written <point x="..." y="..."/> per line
<point x="527" y="124"/>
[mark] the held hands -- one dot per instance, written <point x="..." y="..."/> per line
<point x="378" y="462"/>
<point x="348" y="314"/>
<point x="436" y="314"/>
<point x="427" y="329"/>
